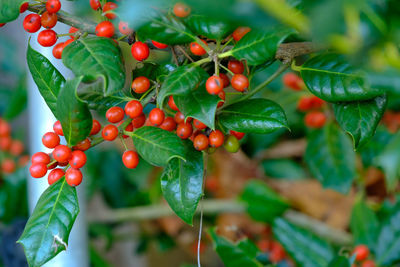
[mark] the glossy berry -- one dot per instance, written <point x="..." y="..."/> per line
<point x="200" y="142"/>
<point x="130" y="159"/>
<point x="58" y="49"/>
<point x="240" y="82"/>
<point x="133" y="109"/>
<point x="115" y="114"/>
<point x="95" y="4"/>
<point x="8" y="166"/>
<point x="171" y="103"/>
<point x="38" y="170"/>
<point x="216" y="138"/>
<point x="96" y="127"/>
<point x="184" y="130"/>
<point x="48" y="20"/>
<point x="55" y="175"/>
<point x="179" y="117"/>
<point x="222" y="96"/>
<point x="156" y="116"/>
<point x="159" y="45"/>
<point x="168" y="124"/>
<point x="110" y="132"/>
<point x="107" y="10"/>
<point x="232" y="144"/>
<point x="16" y="148"/>
<point x="315" y="119"/>
<point x="197" y="49"/>
<point x="47" y="38"/>
<point x="236" y="66"/>
<point x="53" y="6"/>
<point x="181" y="10"/>
<point x="62" y="153"/>
<point x="23" y="7"/>
<point x="225" y="79"/>
<point x="238" y="135"/>
<point x="292" y="81"/>
<point x="277" y="253"/>
<point x="368" y="263"/>
<point x="68" y="42"/>
<point x="139" y="121"/>
<point x="32" y="23"/>
<point x="50" y="140"/>
<point x="73" y="177"/>
<point x="57" y="128"/>
<point x="214" y="85"/>
<point x="73" y="30"/>
<point x="140" y="51"/>
<point x="40" y="157"/>
<point x="140" y="84"/>
<point x="78" y="159"/>
<point x="362" y="252"/>
<point x="105" y="29"/>
<point x="199" y="125"/>
<point x="240" y="32"/>
<point x="123" y="28"/>
<point x="83" y="145"/>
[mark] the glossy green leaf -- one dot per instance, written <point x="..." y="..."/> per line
<point x="340" y="261"/>
<point x="253" y="116"/>
<point x="182" y="182"/>
<point x="333" y="79"/>
<point x="242" y="253"/>
<point x="9" y="10"/>
<point x="74" y="115"/>
<point x="364" y="224"/>
<point x="360" y="119"/>
<point x="330" y="158"/>
<point x="47" y="78"/>
<point x="153" y="71"/>
<point x="260" y="46"/>
<point x="47" y="230"/>
<point x="263" y="204"/>
<point x="181" y="81"/>
<point x="304" y="247"/>
<point x="199" y="104"/>
<point x="209" y="27"/>
<point x="374" y="148"/>
<point x="158" y="146"/>
<point x="95" y="57"/>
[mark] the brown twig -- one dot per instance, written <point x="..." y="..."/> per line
<point x="288" y="51"/>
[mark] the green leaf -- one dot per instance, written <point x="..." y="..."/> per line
<point x="360" y="119"/>
<point x="47" y="230"/>
<point x="307" y="249"/>
<point x="17" y="102"/>
<point x="330" y="158"/>
<point x="364" y="224"/>
<point x="182" y="181"/>
<point x="263" y="204"/>
<point x="158" y="146"/>
<point x="260" y="46"/>
<point x="165" y="29"/>
<point x="240" y="254"/>
<point x="47" y="78"/>
<point x="211" y="28"/>
<point x="253" y="116"/>
<point x="153" y="71"/>
<point x="374" y="148"/>
<point x="340" y="261"/>
<point x="9" y="10"/>
<point x="95" y="57"/>
<point x="199" y="104"/>
<point x="74" y="115"/>
<point x="333" y="79"/>
<point x="181" y="81"/>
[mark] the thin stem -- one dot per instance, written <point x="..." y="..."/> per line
<point x="146" y="93"/>
<point x="225" y="68"/>
<point x="174" y="56"/>
<point x="225" y="54"/>
<point x="123" y="142"/>
<point x="202" y="61"/>
<point x="184" y="53"/>
<point x="223" y="47"/>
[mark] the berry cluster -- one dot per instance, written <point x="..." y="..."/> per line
<point x="276" y="253"/>
<point x="362" y="254"/>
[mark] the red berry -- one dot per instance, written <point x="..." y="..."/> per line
<point x="105" y="29"/>
<point x="95" y="4"/>
<point x="57" y="128"/>
<point x="368" y="263"/>
<point x="139" y="121"/>
<point x="32" y="23"/>
<point x="62" y="153"/>
<point x="123" y="28"/>
<point x="5" y="128"/>
<point x="23" y="7"/>
<point x="225" y="79"/>
<point x="361" y="252"/>
<point x="83" y="145"/>
<point x="110" y="132"/>
<point x="216" y="138"/>
<point x="168" y="124"/>
<point x="73" y="30"/>
<point x="159" y="45"/>
<point x="107" y="10"/>
<point x="197" y="49"/>
<point x="238" y="135"/>
<point x="222" y="96"/>
<point x="179" y="117"/>
<point x="236" y="66"/>
<point x="277" y="253"/>
<point x="199" y="125"/>
<point x="5" y="143"/>
<point x="115" y="114"/>
<point x="240" y="32"/>
<point x="8" y="166"/>
<point x="2" y="24"/>
<point x="156" y="116"/>
<point x="315" y="119"/>
<point x="140" y="51"/>
<point x="58" y="49"/>
<point x="214" y="85"/>
<point x="133" y="109"/>
<point x="128" y="128"/>
<point x="292" y="81"/>
<point x="38" y="170"/>
<point x="73" y="177"/>
<point x="200" y="142"/>
<point x="184" y="130"/>
<point x="96" y="127"/>
<point x="240" y="82"/>
<point x="55" y="175"/>
<point x="140" y="84"/>
<point x="171" y="103"/>
<point x="16" y="148"/>
<point x="40" y="157"/>
<point x="130" y="159"/>
<point x="53" y="6"/>
<point x="305" y="103"/>
<point x="78" y="159"/>
<point x="48" y="20"/>
<point x="50" y="140"/>
<point x="181" y="10"/>
<point x="316" y="102"/>
<point x="47" y="38"/>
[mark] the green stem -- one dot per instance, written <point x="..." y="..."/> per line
<point x="225" y="68"/>
<point x="226" y="54"/>
<point x="202" y="61"/>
